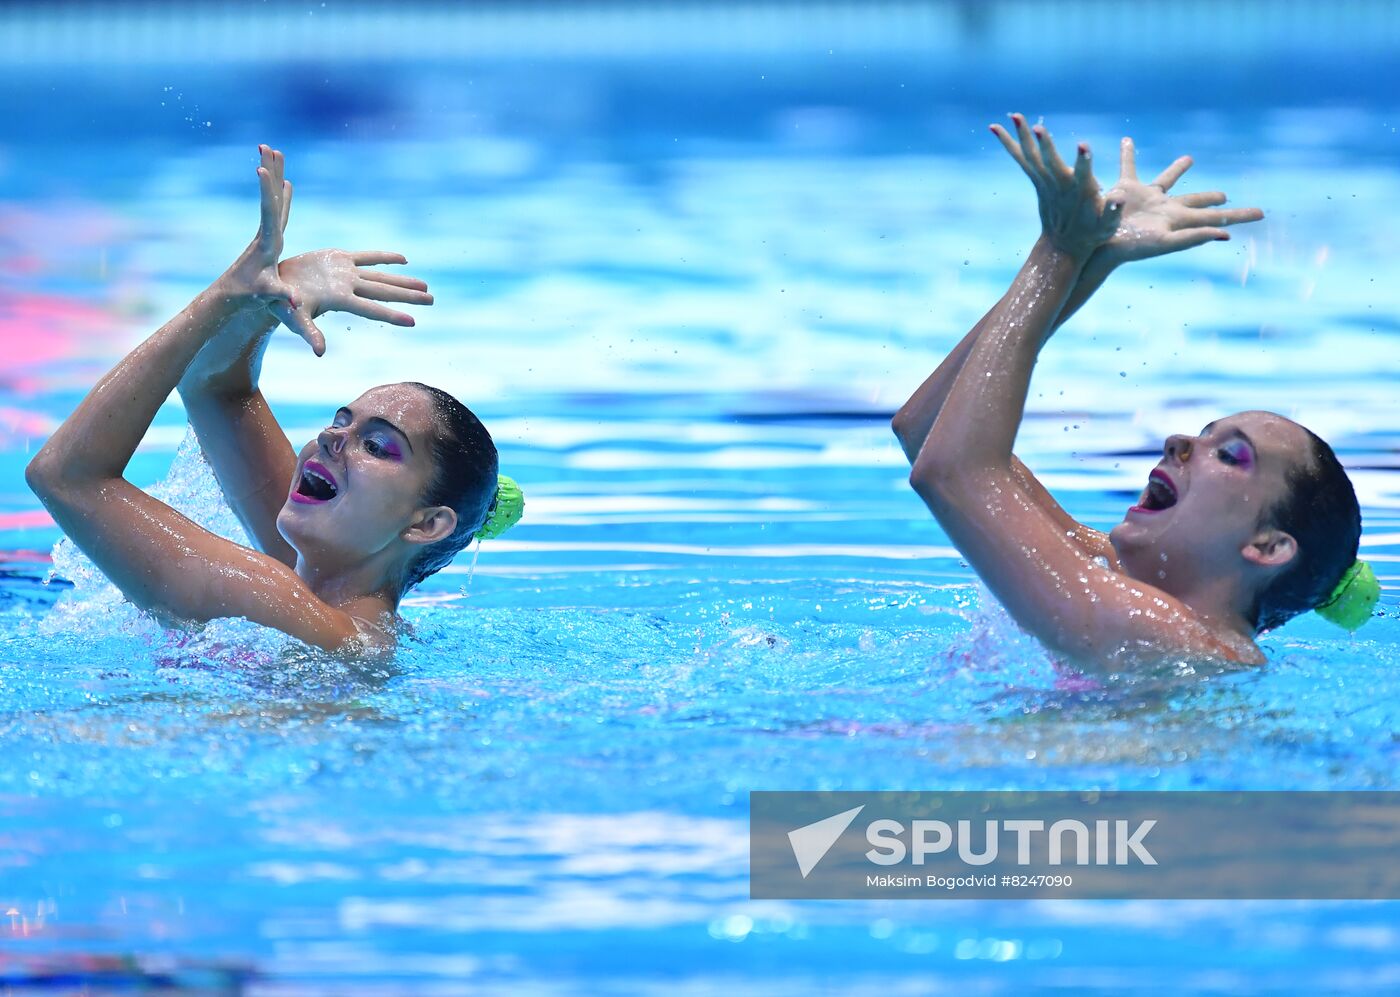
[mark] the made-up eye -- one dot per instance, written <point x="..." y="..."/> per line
<point x="379" y="446"/>
<point x="1233" y="453"/>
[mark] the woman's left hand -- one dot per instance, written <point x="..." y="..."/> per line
<point x="333" y="280"/>
<point x="1074" y="216"/>
<point x="1155" y="223"/>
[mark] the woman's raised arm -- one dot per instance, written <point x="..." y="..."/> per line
<point x="1152" y="224"/>
<point x="237" y="431"/>
<point x="158" y="558"/>
<point x="965" y="470"/>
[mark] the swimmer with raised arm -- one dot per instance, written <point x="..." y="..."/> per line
<point x="1240" y="528"/>
<point x="401" y="480"/>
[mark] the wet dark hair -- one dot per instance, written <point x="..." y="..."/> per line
<point x="1321" y="513"/>
<point x="464" y="479"/>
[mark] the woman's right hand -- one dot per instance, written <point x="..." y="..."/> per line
<point x="333" y="280"/>
<point x="298" y="290"/>
<point x="1074" y="216"/>
<point x="253" y="278"/>
<point x="230" y="358"/>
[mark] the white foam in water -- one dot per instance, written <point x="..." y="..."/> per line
<point x="94" y="604"/>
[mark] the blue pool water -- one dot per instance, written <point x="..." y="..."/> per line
<point x="686" y="305"/>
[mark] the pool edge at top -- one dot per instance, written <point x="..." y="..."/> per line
<point x="958" y="31"/>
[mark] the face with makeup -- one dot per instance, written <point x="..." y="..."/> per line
<point x="356" y="495"/>
<point x="1199" y="517"/>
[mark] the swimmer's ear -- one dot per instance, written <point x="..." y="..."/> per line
<point x="432" y="525"/>
<point x="1270" y="549"/>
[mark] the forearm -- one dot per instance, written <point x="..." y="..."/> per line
<point x="911" y="424"/>
<point x="1091" y="278"/>
<point x="251" y="458"/>
<point x="983" y="407"/>
<point x="240" y="437"/>
<point x="96" y="442"/>
<point x="230" y="362"/>
<point x="915" y="418"/>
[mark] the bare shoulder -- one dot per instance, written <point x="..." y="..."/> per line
<point x="1062" y="586"/>
<point x="1134" y="625"/>
<point x="272" y="594"/>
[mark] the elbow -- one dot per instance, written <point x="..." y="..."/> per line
<point x="944" y="476"/>
<point x="933" y="475"/>
<point x="54" y="479"/>
<point x="40" y="475"/>
<point x="913" y="425"/>
<point x="902" y="425"/>
<point x="899" y="425"/>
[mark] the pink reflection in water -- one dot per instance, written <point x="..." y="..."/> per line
<point x="38" y="330"/>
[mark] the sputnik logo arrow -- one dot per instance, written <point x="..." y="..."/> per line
<point x="811" y="842"/>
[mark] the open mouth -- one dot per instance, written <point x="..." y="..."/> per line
<point x="1160" y="494"/>
<point x="315" y="485"/>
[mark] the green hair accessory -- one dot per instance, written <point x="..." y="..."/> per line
<point x="506" y="509"/>
<point x="1352" y="600"/>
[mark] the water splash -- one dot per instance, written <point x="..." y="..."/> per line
<point x="94" y="607"/>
